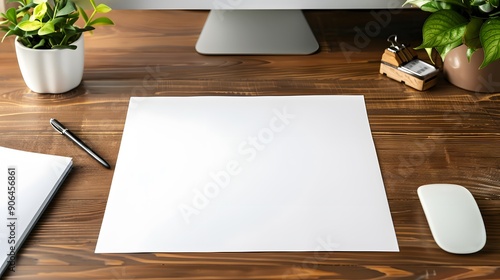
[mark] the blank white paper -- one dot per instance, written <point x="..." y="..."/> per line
<point x="247" y="174"/>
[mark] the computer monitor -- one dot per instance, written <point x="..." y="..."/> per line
<point x="269" y="27"/>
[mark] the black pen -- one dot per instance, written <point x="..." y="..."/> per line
<point x="64" y="131"/>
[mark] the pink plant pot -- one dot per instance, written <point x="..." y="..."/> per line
<point x="467" y="75"/>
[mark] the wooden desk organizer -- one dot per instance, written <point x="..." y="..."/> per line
<point x="402" y="64"/>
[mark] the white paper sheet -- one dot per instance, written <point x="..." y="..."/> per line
<point x="30" y="181"/>
<point x="238" y="174"/>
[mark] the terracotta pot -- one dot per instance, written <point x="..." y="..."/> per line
<point x="464" y="74"/>
<point x="51" y="71"/>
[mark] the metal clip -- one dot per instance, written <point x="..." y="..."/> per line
<point x="393" y="39"/>
<point x="406" y="54"/>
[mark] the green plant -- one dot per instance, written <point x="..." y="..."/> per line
<point x="474" y="23"/>
<point x="43" y="24"/>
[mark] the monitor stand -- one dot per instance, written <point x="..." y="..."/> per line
<point x="247" y="32"/>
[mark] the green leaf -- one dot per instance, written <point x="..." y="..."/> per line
<point x="67" y="9"/>
<point x="39" y="11"/>
<point x="72" y="21"/>
<point x="84" y="14"/>
<point x="102" y="8"/>
<point x="52" y="42"/>
<point x="29" y="25"/>
<point x="50" y="12"/>
<point x="429" y="54"/>
<point x="469" y="53"/>
<point x="69" y="29"/>
<point x="10" y="15"/>
<point x="26" y="7"/>
<point x="47" y="28"/>
<point x="7" y="34"/>
<point x="444" y="50"/>
<point x="85" y="29"/>
<point x="435" y="6"/>
<point x="477" y="2"/>
<point x="40" y="44"/>
<point x="25" y="42"/>
<point x="26" y="17"/>
<point x="486" y="8"/>
<point x="453" y="2"/>
<point x="490" y="40"/>
<point x="443" y="28"/>
<point x="71" y="47"/>
<point x="59" y="20"/>
<point x="101" y="21"/>
<point x="418" y="3"/>
<point x="471" y="35"/>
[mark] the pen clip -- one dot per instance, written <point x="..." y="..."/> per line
<point x="57" y="126"/>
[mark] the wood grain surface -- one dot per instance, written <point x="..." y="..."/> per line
<point x="443" y="135"/>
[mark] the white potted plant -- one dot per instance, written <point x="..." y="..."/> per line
<point x="49" y="43"/>
<point x="466" y="35"/>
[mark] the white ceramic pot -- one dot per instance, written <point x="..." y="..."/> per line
<point x="464" y="74"/>
<point x="53" y="70"/>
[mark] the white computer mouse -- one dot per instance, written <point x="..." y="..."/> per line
<point x="454" y="217"/>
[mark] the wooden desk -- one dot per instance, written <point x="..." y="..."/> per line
<point x="443" y="135"/>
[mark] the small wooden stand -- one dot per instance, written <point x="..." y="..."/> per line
<point x="402" y="64"/>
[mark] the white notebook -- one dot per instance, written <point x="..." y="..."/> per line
<point x="239" y="174"/>
<point x="30" y="181"/>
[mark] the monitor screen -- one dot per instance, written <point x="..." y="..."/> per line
<point x="270" y="27"/>
<point x="253" y="4"/>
